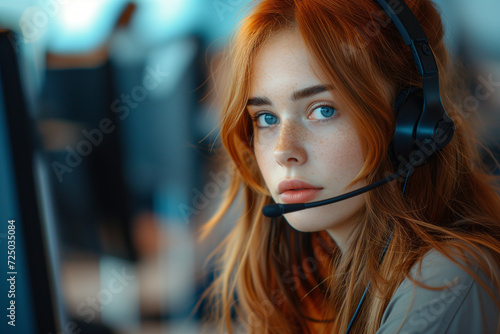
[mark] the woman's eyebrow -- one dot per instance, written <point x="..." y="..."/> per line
<point x="297" y="95"/>
<point x="310" y="91"/>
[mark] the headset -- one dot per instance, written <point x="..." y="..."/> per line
<point x="422" y="128"/>
<point x="422" y="122"/>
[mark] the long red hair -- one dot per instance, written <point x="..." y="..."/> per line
<point x="450" y="204"/>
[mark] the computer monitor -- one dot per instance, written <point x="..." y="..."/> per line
<point x="29" y="301"/>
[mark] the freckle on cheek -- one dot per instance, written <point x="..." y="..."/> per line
<point x="342" y="150"/>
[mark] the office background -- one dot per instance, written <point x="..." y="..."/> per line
<point x="123" y="100"/>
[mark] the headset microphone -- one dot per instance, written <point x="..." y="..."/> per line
<point x="276" y="210"/>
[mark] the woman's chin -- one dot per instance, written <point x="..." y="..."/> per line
<point x="302" y="225"/>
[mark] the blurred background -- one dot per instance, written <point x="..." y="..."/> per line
<point x="118" y="92"/>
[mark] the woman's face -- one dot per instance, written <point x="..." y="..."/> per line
<point x="303" y="132"/>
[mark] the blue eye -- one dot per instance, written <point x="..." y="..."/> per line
<point x="323" y="112"/>
<point x="264" y="120"/>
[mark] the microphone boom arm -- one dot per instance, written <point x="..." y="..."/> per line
<point x="276" y="210"/>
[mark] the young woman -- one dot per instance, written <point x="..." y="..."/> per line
<point x="309" y="113"/>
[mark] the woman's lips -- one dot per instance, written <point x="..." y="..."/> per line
<point x="297" y="191"/>
<point x="299" y="195"/>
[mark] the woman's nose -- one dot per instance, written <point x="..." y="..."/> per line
<point x="289" y="149"/>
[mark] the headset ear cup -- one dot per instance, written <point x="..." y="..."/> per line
<point x="408" y="107"/>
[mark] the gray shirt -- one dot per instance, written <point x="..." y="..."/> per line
<point x="463" y="308"/>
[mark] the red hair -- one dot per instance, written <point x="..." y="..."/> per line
<point x="450" y="203"/>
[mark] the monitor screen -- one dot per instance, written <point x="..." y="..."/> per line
<point x="28" y="297"/>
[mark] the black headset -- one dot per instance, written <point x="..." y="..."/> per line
<point x="423" y="126"/>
